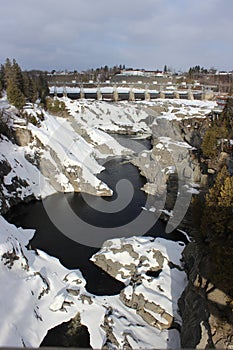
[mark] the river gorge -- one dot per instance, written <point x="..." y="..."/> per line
<point x="119" y="263"/>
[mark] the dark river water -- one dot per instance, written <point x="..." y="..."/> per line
<point x="74" y="254"/>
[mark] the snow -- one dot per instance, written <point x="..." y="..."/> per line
<point x="25" y="311"/>
<point x="71" y="149"/>
<point x="20" y="167"/>
<point x="61" y="152"/>
<point x="108" y="117"/>
<point x="37" y="285"/>
<point x="185" y="234"/>
<point x="191" y="188"/>
<point x="144" y="154"/>
<point x="152" y="209"/>
<point x="163" y="290"/>
<point x="170" y="170"/>
<point x="167" y="141"/>
<point x="167" y="212"/>
<point x="4" y="103"/>
<point x="189" y="108"/>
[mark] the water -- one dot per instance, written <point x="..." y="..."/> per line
<point x="75" y="255"/>
<point x="134" y="143"/>
<point x="72" y="254"/>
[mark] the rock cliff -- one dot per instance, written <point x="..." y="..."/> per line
<point x="206" y="310"/>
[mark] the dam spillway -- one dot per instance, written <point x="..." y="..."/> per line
<point x="124" y="93"/>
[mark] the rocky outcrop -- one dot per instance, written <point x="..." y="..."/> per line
<point x="150" y="168"/>
<point x="150" y="269"/>
<point x="146" y="309"/>
<point x="14" y="188"/>
<point x="192" y="130"/>
<point x="170" y="155"/>
<point x="175" y="152"/>
<point x="192" y="304"/>
<point x="22" y="136"/>
<point x="64" y="150"/>
<point x="144" y="273"/>
<point x="206" y="311"/>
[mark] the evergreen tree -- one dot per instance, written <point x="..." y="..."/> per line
<point x="228" y="109"/>
<point x="21" y="86"/>
<point x="217" y="220"/>
<point x="7" y="71"/>
<point x="209" y="144"/>
<point x="14" y="83"/>
<point x="14" y="95"/>
<point x="225" y="199"/>
<point x="17" y="76"/>
<point x="2" y="82"/>
<point x="217" y="216"/>
<point x="226" y="117"/>
<point x="42" y="88"/>
<point x="214" y="192"/>
<point x="1" y="88"/>
<point x="219" y="231"/>
<point x="30" y="89"/>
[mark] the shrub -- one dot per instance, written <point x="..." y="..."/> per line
<point x="55" y="106"/>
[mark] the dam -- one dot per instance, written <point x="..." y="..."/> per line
<point x="127" y="92"/>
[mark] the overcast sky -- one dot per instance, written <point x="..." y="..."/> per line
<point x="81" y="34"/>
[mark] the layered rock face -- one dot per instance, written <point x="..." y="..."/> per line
<point x="206" y="310"/>
<point x="176" y="131"/>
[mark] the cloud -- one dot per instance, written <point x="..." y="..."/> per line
<point x="79" y="34"/>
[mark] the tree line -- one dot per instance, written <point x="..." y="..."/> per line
<point x="213" y="214"/>
<point x="218" y="137"/>
<point x="22" y="86"/>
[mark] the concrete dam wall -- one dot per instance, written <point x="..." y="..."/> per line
<point x="119" y="93"/>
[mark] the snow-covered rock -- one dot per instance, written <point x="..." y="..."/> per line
<point x="152" y="272"/>
<point x="30" y="285"/>
<point x="120" y="118"/>
<point x="55" y="155"/>
<point x="38" y="293"/>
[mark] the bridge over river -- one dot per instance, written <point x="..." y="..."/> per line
<point x="127" y="93"/>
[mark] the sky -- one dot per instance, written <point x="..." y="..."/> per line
<point x="83" y="34"/>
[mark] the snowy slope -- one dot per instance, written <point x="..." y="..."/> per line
<point x="119" y="117"/>
<point x="132" y="116"/>
<point x="58" y="155"/>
